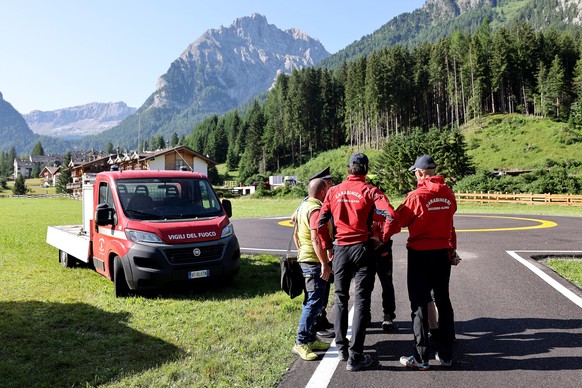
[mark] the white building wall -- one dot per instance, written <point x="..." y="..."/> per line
<point x="157" y="164"/>
<point x="200" y="166"/>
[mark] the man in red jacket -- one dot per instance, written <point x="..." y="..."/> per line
<point x="352" y="205"/>
<point x="428" y="213"/>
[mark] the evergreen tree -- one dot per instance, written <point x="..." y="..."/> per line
<point x="500" y="69"/>
<point x="37" y="150"/>
<point x="525" y="57"/>
<point x="65" y="176"/>
<point x="175" y="140"/>
<point x="249" y="162"/>
<point x="220" y="142"/>
<point x="5" y="165"/>
<point x="19" y="187"/>
<point x="555" y="88"/>
<point x="274" y="135"/>
<point x="355" y="115"/>
<point x="375" y="91"/>
<point x="109" y="148"/>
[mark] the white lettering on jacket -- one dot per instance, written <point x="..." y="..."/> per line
<point x="444" y="202"/>
<point x="348" y="193"/>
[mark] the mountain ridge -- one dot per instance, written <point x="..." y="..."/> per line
<point x="78" y="121"/>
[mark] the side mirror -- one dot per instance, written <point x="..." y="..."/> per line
<point x="227" y="207"/>
<point x="104" y="215"/>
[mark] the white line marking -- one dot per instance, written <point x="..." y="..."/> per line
<point x="560" y="288"/>
<point x="327" y="366"/>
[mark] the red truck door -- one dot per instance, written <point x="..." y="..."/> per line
<point x="105" y="236"/>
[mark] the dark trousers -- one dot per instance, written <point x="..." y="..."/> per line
<point x="356" y="262"/>
<point x="384" y="265"/>
<point x="430" y="270"/>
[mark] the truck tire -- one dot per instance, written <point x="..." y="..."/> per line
<point x="119" y="281"/>
<point x="66" y="260"/>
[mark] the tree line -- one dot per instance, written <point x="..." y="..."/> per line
<point x="396" y="91"/>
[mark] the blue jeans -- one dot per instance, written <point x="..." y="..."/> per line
<point x="315" y="289"/>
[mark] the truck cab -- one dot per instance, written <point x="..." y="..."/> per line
<point x="151" y="228"/>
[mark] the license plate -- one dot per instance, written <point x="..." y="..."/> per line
<point x="199" y="274"/>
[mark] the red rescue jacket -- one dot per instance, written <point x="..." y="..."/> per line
<point x="352" y="205"/>
<point x="428" y="213"/>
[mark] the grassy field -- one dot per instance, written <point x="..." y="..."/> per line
<point x="64" y="327"/>
<point x="34" y="185"/>
<point x="514" y="142"/>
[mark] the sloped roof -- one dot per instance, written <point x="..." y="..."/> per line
<point x="23" y="163"/>
<point x="51" y="169"/>
<point x="177" y="149"/>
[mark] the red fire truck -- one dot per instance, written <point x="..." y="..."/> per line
<point x="145" y="229"/>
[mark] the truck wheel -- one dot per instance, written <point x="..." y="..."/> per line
<point x="66" y="260"/>
<point x="119" y="281"/>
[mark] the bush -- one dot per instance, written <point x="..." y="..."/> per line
<point x="556" y="180"/>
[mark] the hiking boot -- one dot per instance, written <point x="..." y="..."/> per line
<point x="364" y="362"/>
<point x="304" y="352"/>
<point x="411" y="362"/>
<point x="389" y="325"/>
<point x="443" y="362"/>
<point x="319" y="345"/>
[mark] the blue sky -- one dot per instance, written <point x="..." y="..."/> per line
<point x="62" y="53"/>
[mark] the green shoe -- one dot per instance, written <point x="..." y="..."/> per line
<point x="319" y="345"/>
<point x="304" y="352"/>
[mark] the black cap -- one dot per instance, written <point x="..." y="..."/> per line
<point x="359" y="158"/>
<point x="323" y="174"/>
<point x="423" y="162"/>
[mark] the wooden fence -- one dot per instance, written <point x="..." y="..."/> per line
<point x="535" y="199"/>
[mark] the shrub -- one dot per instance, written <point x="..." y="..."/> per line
<point x="553" y="181"/>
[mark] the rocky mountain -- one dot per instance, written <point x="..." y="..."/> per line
<point x="222" y="69"/>
<point x="227" y="66"/>
<point x="76" y="122"/>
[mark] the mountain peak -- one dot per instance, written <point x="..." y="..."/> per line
<point x="254" y="18"/>
<point x="225" y="67"/>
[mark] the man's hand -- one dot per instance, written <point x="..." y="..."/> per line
<point x="325" y="271"/>
<point x="330" y="255"/>
<point x="454" y="257"/>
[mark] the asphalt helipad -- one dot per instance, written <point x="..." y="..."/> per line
<point x="518" y="324"/>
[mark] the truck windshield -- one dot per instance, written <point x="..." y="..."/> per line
<point x="168" y="198"/>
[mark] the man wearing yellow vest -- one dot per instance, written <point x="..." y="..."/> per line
<point x="314" y="262"/>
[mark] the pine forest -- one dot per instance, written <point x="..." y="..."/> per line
<point x="397" y="91"/>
